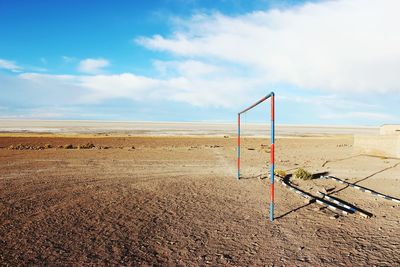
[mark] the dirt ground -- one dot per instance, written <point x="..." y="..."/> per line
<point x="176" y="201"/>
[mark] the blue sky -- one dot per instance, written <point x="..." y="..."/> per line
<point x="329" y="62"/>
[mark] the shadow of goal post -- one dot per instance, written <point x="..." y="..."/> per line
<point x="272" y="150"/>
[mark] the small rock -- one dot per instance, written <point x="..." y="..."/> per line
<point x="334" y="217"/>
<point x="309" y="200"/>
<point x="227" y="256"/>
<point x="327" y="190"/>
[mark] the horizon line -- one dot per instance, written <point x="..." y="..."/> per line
<point x="188" y="122"/>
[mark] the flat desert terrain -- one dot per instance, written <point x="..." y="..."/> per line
<point x="175" y="200"/>
<point x="126" y="128"/>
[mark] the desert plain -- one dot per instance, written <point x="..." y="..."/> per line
<point x="157" y="197"/>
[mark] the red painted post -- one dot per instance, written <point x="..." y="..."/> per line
<point x="238" y="149"/>
<point x="272" y="179"/>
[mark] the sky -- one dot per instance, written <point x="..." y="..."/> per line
<point x="328" y="62"/>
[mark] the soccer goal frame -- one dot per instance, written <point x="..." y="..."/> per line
<point x="272" y="150"/>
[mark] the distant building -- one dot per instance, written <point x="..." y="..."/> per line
<point x="389" y="129"/>
<point x="387" y="144"/>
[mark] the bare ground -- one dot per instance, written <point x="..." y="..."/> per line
<point x="176" y="201"/>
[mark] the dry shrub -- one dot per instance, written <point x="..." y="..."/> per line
<point x="302" y="174"/>
<point x="87" y="146"/>
<point x="280" y="173"/>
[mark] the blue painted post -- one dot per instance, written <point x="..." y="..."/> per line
<point x="272" y="193"/>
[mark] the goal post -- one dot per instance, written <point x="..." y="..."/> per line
<point x="272" y="150"/>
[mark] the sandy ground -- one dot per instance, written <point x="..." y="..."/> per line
<point x="176" y="201"/>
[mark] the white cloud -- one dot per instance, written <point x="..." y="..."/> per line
<point x="328" y="101"/>
<point x="43" y="112"/>
<point x="9" y="65"/>
<point x="45" y="78"/>
<point x="346" y="46"/>
<point x="187" y="68"/>
<point x="30" y="115"/>
<point x="68" y="59"/>
<point x="217" y="90"/>
<point x="93" y="65"/>
<point x="101" y="87"/>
